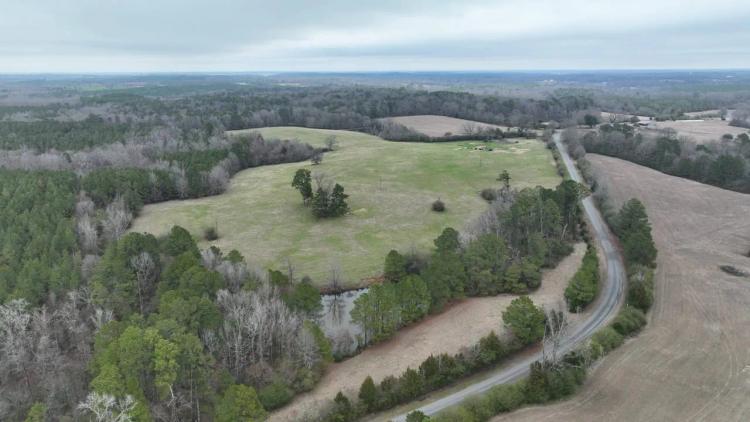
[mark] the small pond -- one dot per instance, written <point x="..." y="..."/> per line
<point x="336" y="321"/>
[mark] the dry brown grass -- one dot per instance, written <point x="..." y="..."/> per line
<point x="693" y="360"/>
<point x="437" y="126"/>
<point x="461" y="325"/>
<point x="708" y="130"/>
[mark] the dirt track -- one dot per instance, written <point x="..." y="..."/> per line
<point x="462" y="324"/>
<point x="693" y="361"/>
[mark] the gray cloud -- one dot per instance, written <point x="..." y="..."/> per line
<point x="234" y="35"/>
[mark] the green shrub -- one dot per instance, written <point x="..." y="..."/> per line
<point x="417" y="416"/>
<point x="210" y="233"/>
<point x="583" y="287"/>
<point x="480" y="407"/>
<point x="629" y="321"/>
<point x="505" y="398"/>
<point x="454" y="414"/>
<point x="488" y="194"/>
<point x="641" y="287"/>
<point x="275" y="395"/>
<point x="605" y="340"/>
<point x="438" y="206"/>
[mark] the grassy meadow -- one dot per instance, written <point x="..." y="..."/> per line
<point x="391" y="186"/>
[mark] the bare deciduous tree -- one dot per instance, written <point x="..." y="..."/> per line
<point x="107" y="408"/>
<point x="117" y="219"/>
<point x="555" y="332"/>
<point x="145" y="272"/>
<point x="331" y="142"/>
<point x="88" y="237"/>
<point x="259" y="328"/>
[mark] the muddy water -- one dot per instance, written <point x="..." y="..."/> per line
<point x="336" y="321"/>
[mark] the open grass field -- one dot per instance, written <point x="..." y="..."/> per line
<point x="692" y="363"/>
<point x="460" y="325"/>
<point x="437" y="126"/>
<point x="391" y="187"/>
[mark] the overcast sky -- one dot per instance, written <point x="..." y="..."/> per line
<point x="375" y="35"/>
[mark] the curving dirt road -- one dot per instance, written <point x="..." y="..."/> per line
<point x="606" y="306"/>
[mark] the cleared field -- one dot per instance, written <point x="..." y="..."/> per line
<point x="391" y="187"/>
<point x="461" y="325"/>
<point x="436" y="126"/>
<point x="692" y="363"/>
<point x="707" y="130"/>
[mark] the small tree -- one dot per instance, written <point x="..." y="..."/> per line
<point x="331" y="143"/>
<point x="504" y="178"/>
<point x="240" y="403"/>
<point x="368" y="393"/>
<point x="303" y="183"/>
<point x="337" y="205"/>
<point x="395" y="266"/>
<point x="447" y="241"/>
<point x="416" y="416"/>
<point x="106" y="408"/>
<point x="438" y="206"/>
<point x="317" y="158"/>
<point x="525" y="320"/>
<point x="590" y="120"/>
<point x="320" y="203"/>
<point x="36" y="413"/>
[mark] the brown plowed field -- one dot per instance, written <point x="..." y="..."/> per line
<point x="692" y="363"/>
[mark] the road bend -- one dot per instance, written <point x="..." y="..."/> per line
<point x="606" y="306"/>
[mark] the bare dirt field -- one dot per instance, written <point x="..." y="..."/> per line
<point x="692" y="363"/>
<point x="462" y="324"/>
<point x="432" y="125"/>
<point x="707" y="130"/>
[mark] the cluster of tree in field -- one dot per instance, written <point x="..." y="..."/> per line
<point x="502" y="252"/>
<point x="523" y="318"/>
<point x="723" y="163"/>
<point x="326" y="200"/>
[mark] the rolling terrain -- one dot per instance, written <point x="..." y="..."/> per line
<point x="391" y="186"/>
<point x="692" y="363"/>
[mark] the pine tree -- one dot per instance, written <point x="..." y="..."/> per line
<point x="368" y="393"/>
<point x="337" y="205"/>
<point x="320" y="204"/>
<point x="395" y="266"/>
<point x="303" y="183"/>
